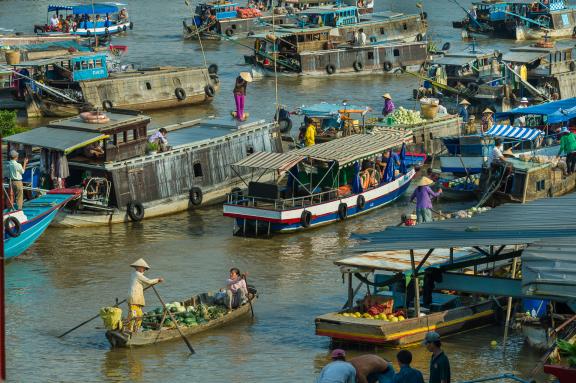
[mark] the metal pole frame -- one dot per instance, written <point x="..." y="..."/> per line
<point x="2" y="283"/>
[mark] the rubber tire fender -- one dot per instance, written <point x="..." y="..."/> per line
<point x="424" y="16"/>
<point x="446" y="46"/>
<point x="131" y="25"/>
<point x="213" y="69"/>
<point x="229" y="32"/>
<point x="124" y="28"/>
<point x="180" y="94"/>
<point x="387" y="66"/>
<point x="135" y="211"/>
<point x="195" y="196"/>
<point x="358" y="66"/>
<point x="419" y="37"/>
<point x="361" y="202"/>
<point x="473" y="87"/>
<point x="572" y="66"/>
<point x="306" y="218"/>
<point x="88" y="33"/>
<point x="12" y="227"/>
<point x="209" y="90"/>
<point x="107" y="105"/>
<point x="285" y="125"/>
<point x="342" y="211"/>
<point x="330" y="69"/>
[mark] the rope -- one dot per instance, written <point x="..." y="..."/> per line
<point x="494" y="185"/>
<point x="277" y="106"/>
<point x="200" y="42"/>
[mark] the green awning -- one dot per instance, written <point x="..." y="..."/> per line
<point x="62" y="140"/>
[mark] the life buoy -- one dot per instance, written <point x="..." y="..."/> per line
<point x="229" y="32"/>
<point x="572" y="66"/>
<point x="213" y="68"/>
<point x="135" y="211"/>
<point x="107" y="105"/>
<point x="387" y="66"/>
<point x="196" y="196"/>
<point x="342" y="211"/>
<point x="124" y="28"/>
<point x="306" y="218"/>
<point x="330" y="69"/>
<point x="358" y="66"/>
<point x="361" y="202"/>
<point x="419" y="37"/>
<point x="209" y="90"/>
<point x="12" y="227"/>
<point x="131" y="25"/>
<point x="180" y="93"/>
<point x="94" y="117"/>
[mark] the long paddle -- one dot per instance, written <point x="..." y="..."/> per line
<point x="174" y="321"/>
<point x="94" y="317"/>
<point x="249" y="299"/>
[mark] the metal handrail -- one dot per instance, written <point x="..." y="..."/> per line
<point x="238" y="198"/>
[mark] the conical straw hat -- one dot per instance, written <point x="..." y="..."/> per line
<point x="246" y="76"/>
<point x="488" y="110"/>
<point x="425" y="181"/>
<point x="464" y="102"/>
<point x="387" y="95"/>
<point x="140" y="263"/>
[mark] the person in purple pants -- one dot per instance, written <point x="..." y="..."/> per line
<point x="240" y="93"/>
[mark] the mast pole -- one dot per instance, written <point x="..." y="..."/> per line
<point x="2" y="305"/>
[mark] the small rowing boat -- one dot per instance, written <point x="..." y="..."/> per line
<point x="195" y="315"/>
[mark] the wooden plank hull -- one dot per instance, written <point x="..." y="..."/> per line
<point x="378" y="332"/>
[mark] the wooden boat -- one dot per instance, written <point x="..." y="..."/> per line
<point x="150" y="337"/>
<point x="460" y="189"/>
<point x="23" y="227"/>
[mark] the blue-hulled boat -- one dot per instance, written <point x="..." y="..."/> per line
<point x="24" y="227"/>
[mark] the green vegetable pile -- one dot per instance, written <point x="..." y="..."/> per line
<point x="187" y="316"/>
<point x="403" y="116"/>
<point x="569" y="350"/>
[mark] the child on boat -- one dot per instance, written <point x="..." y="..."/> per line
<point x="236" y="289"/>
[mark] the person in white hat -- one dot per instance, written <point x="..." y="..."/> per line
<point x="136" y="298"/>
<point x="240" y="93"/>
<point x="423" y="195"/>
<point x="463" y="112"/>
<point x="16" y="172"/>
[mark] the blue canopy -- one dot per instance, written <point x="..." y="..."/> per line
<point x="389" y="172"/>
<point x="513" y="132"/>
<point x="325" y="110"/>
<point x="98" y="8"/>
<point x="555" y="111"/>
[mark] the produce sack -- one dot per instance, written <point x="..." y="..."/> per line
<point x="112" y="317"/>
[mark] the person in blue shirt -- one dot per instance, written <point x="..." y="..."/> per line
<point x="339" y="370"/>
<point x="406" y="374"/>
<point x="463" y="112"/>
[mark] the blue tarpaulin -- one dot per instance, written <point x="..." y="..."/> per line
<point x="513" y="132"/>
<point x="403" y="169"/>
<point x="98" y="8"/>
<point x="356" y="185"/>
<point x="325" y="110"/>
<point x="389" y="172"/>
<point x="555" y="111"/>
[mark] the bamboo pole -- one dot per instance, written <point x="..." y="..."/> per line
<point x="416" y="287"/>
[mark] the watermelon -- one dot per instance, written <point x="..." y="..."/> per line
<point x="190" y="322"/>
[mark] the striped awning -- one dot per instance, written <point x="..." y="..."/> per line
<point x="510" y="131"/>
<point x="269" y="161"/>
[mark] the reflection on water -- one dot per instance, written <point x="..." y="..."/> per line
<point x="70" y="274"/>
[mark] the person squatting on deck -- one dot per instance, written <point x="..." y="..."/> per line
<point x="240" y="93"/>
<point x="236" y="289"/>
<point x="567" y="145"/>
<point x="406" y="374"/>
<point x="136" y="298"/>
<point x="423" y="195"/>
<point x="339" y="370"/>
<point x="16" y="172"/>
<point x="371" y="369"/>
<point x="160" y="138"/>
<point x="439" y="363"/>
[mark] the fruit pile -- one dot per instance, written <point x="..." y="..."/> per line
<point x="248" y="13"/>
<point x="398" y="316"/>
<point x="188" y="316"/>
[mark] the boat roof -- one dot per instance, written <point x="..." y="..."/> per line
<point x="510" y="131"/>
<point x="325" y="110"/>
<point x="287" y="31"/>
<point x="280" y="162"/>
<point x="55" y="60"/>
<point x="460" y="59"/>
<point x="62" y="140"/>
<point x="555" y="111"/>
<point x="115" y="120"/>
<point x="529" y="54"/>
<point x="207" y="130"/>
<point x="327" y="10"/>
<point x="80" y="9"/>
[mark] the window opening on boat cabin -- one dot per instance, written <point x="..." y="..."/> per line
<point x="382" y="31"/>
<point x="197" y="169"/>
<point x="370" y="55"/>
<point x="540" y="185"/>
<point x="249" y="149"/>
<point x="148" y="86"/>
<point x="405" y="26"/>
<point x="396" y="52"/>
<point x="431" y="136"/>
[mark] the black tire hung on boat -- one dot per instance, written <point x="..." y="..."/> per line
<point x="135" y="211"/>
<point x="124" y="28"/>
<point x="12" y="227"/>
<point x="88" y="33"/>
<point x="572" y="66"/>
<point x="330" y="69"/>
<point x="473" y="87"/>
<point x="446" y="46"/>
<point x="358" y="66"/>
<point x="306" y="218"/>
<point x="213" y="69"/>
<point x="424" y="16"/>
<point x="131" y="25"/>
<point x="209" y="90"/>
<point x="180" y="94"/>
<point x="107" y="105"/>
<point x="387" y="66"/>
<point x="196" y="196"/>
<point x="342" y="211"/>
<point x="229" y="32"/>
<point x="419" y="37"/>
<point x="361" y="202"/>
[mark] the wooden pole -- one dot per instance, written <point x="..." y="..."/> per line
<point x="509" y="306"/>
<point x="416" y="287"/>
<point x="174" y="321"/>
<point x="2" y="302"/>
<point x="350" y="291"/>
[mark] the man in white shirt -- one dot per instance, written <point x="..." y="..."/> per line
<point x="16" y="172"/>
<point x="362" y="37"/>
<point x="496" y="154"/>
<point x="54" y="21"/>
<point x="136" y="298"/>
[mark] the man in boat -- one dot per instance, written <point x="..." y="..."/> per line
<point x="94" y="150"/>
<point x="521" y="120"/>
<point x="463" y="112"/>
<point x="122" y="15"/>
<point x="310" y="134"/>
<point x="406" y="374"/>
<point x="497" y="154"/>
<point x="136" y="298"/>
<point x="568" y="146"/>
<point x="54" y="22"/>
<point x="371" y="368"/>
<point x="423" y="195"/>
<point x="16" y="171"/>
<point x="160" y="138"/>
<point x="388" y="105"/>
<point x="338" y="371"/>
<point x="236" y="289"/>
<point x="439" y="363"/>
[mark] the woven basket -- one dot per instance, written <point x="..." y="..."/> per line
<point x="12" y="57"/>
<point x="429" y="112"/>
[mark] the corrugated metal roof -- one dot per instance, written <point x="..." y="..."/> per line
<point x="270" y="161"/>
<point x="511" y="224"/>
<point x="524" y="57"/>
<point x="62" y="140"/>
<point x="455" y="60"/>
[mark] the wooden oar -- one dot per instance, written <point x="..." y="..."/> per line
<point x="249" y="300"/>
<point x="95" y="316"/>
<point x="174" y="320"/>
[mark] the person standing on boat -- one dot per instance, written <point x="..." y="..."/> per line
<point x="16" y="172"/>
<point x="406" y="374"/>
<point x="236" y="289"/>
<point x="439" y="363"/>
<point x="339" y="370"/>
<point x="136" y="298"/>
<point x="423" y="195"/>
<point x="521" y="120"/>
<point x="310" y="134"/>
<point x="487" y="120"/>
<point x="463" y="112"/>
<point x="240" y="93"/>
<point x="388" y="105"/>
<point x="568" y="146"/>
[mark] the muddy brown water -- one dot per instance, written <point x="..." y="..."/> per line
<point x="69" y="274"/>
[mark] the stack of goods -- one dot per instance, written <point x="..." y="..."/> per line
<point x="280" y="11"/>
<point x="402" y="116"/>
<point x="429" y="107"/>
<point x="398" y="316"/>
<point x="248" y="13"/>
<point x="469" y="213"/>
<point x="188" y="316"/>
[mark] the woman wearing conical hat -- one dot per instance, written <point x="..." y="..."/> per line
<point x="487" y="119"/>
<point x="136" y="298"/>
<point x="240" y="93"/>
<point x="423" y="195"/>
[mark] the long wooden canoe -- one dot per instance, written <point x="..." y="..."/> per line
<point x="122" y="338"/>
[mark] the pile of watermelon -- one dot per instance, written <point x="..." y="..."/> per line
<point x="248" y="13"/>
<point x="187" y="316"/>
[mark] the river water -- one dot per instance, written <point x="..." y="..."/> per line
<point x="69" y="274"/>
